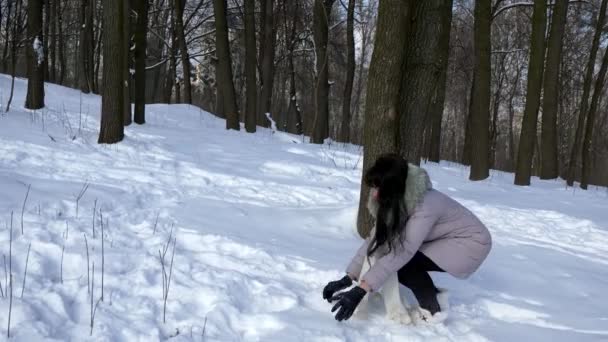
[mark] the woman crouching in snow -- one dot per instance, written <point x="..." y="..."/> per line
<point x="418" y="229"/>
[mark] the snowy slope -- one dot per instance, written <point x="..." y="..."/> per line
<point x="261" y="223"/>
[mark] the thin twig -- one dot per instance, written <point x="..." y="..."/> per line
<point x="155" y="223"/>
<point x="62" y="252"/>
<point x="204" y="326"/>
<point x="23" y="208"/>
<point x="94" y="214"/>
<point x="84" y="189"/>
<point x="27" y="259"/>
<point x="86" y="243"/>
<point x="169" y="282"/>
<point x="5" y="275"/>
<point x="91" y="297"/>
<point x="10" y="309"/>
<point x="102" y="256"/>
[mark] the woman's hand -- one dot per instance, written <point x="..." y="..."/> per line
<point x="335" y="286"/>
<point x="347" y="302"/>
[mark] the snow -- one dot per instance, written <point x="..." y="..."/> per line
<point x="39" y="50"/>
<point x="262" y="222"/>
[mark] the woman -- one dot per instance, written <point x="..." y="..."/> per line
<point x="418" y="229"/>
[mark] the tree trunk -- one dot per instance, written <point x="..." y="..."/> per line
<point x="595" y="100"/>
<point x="53" y="42"/>
<point x="549" y="164"/>
<point x="294" y="116"/>
<point x="322" y="11"/>
<point x="350" y="72"/>
<point x="535" y="78"/>
<point x="183" y="48"/>
<point x="225" y="80"/>
<point x="381" y="109"/>
<point x="267" y="54"/>
<point x="35" y="56"/>
<point x="141" y="29"/>
<point x="250" y="67"/>
<point x="61" y="41"/>
<point x="47" y="21"/>
<point x="13" y="54"/>
<point x="112" y="100"/>
<point x="5" y="53"/>
<point x="126" y="66"/>
<point x="576" y="147"/>
<point x="439" y="97"/>
<point x="421" y="74"/>
<point x="480" y="97"/>
<point x="85" y="47"/>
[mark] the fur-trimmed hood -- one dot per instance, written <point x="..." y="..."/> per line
<point x="416" y="185"/>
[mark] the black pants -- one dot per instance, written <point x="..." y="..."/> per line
<point x="414" y="275"/>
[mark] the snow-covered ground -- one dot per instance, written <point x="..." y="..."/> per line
<point x="261" y="222"/>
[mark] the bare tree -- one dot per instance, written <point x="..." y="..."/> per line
<point x="322" y="11"/>
<point x="549" y="165"/>
<point x="112" y="101"/>
<point x="480" y="96"/>
<point x="381" y="110"/>
<point x="250" y="67"/>
<point x="35" y="56"/>
<point x="140" y="8"/>
<point x="350" y="72"/>
<point x="224" y="67"/>
<point x="527" y="140"/>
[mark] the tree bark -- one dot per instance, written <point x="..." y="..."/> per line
<point x="421" y="74"/>
<point x="549" y="164"/>
<point x="294" y="116"/>
<point x="576" y="147"/>
<point x="126" y="66"/>
<point x="250" y="67"/>
<point x="322" y="11"/>
<point x="112" y="100"/>
<point x="183" y="48"/>
<point x="480" y="97"/>
<point x="35" y="56"/>
<point x="535" y="78"/>
<point x="267" y="52"/>
<point x="141" y="29"/>
<point x="5" y="53"/>
<point x="61" y="42"/>
<point x="439" y="97"/>
<point x="225" y="80"/>
<point x="85" y="65"/>
<point x="350" y="72"/>
<point x="47" y="20"/>
<point x="382" y="97"/>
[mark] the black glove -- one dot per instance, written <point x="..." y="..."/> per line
<point x="347" y="302"/>
<point x="334" y="286"/>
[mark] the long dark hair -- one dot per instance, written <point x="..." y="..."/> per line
<point x="389" y="176"/>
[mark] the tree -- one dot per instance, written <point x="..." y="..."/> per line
<point x="350" y="72"/>
<point x="597" y="93"/>
<point x="549" y="166"/>
<point x="576" y="147"/>
<point x="527" y="138"/>
<point x="140" y="8"/>
<point x="112" y="100"/>
<point x="421" y="73"/>
<point x="382" y="98"/>
<point x="250" y="67"/>
<point x="35" y="56"/>
<point x="436" y="115"/>
<point x="224" y="79"/>
<point x="294" y="116"/>
<point x="85" y="58"/>
<point x="322" y="11"/>
<point x="183" y="48"/>
<point x="126" y="72"/>
<point x="480" y="97"/>
<point x="267" y="51"/>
